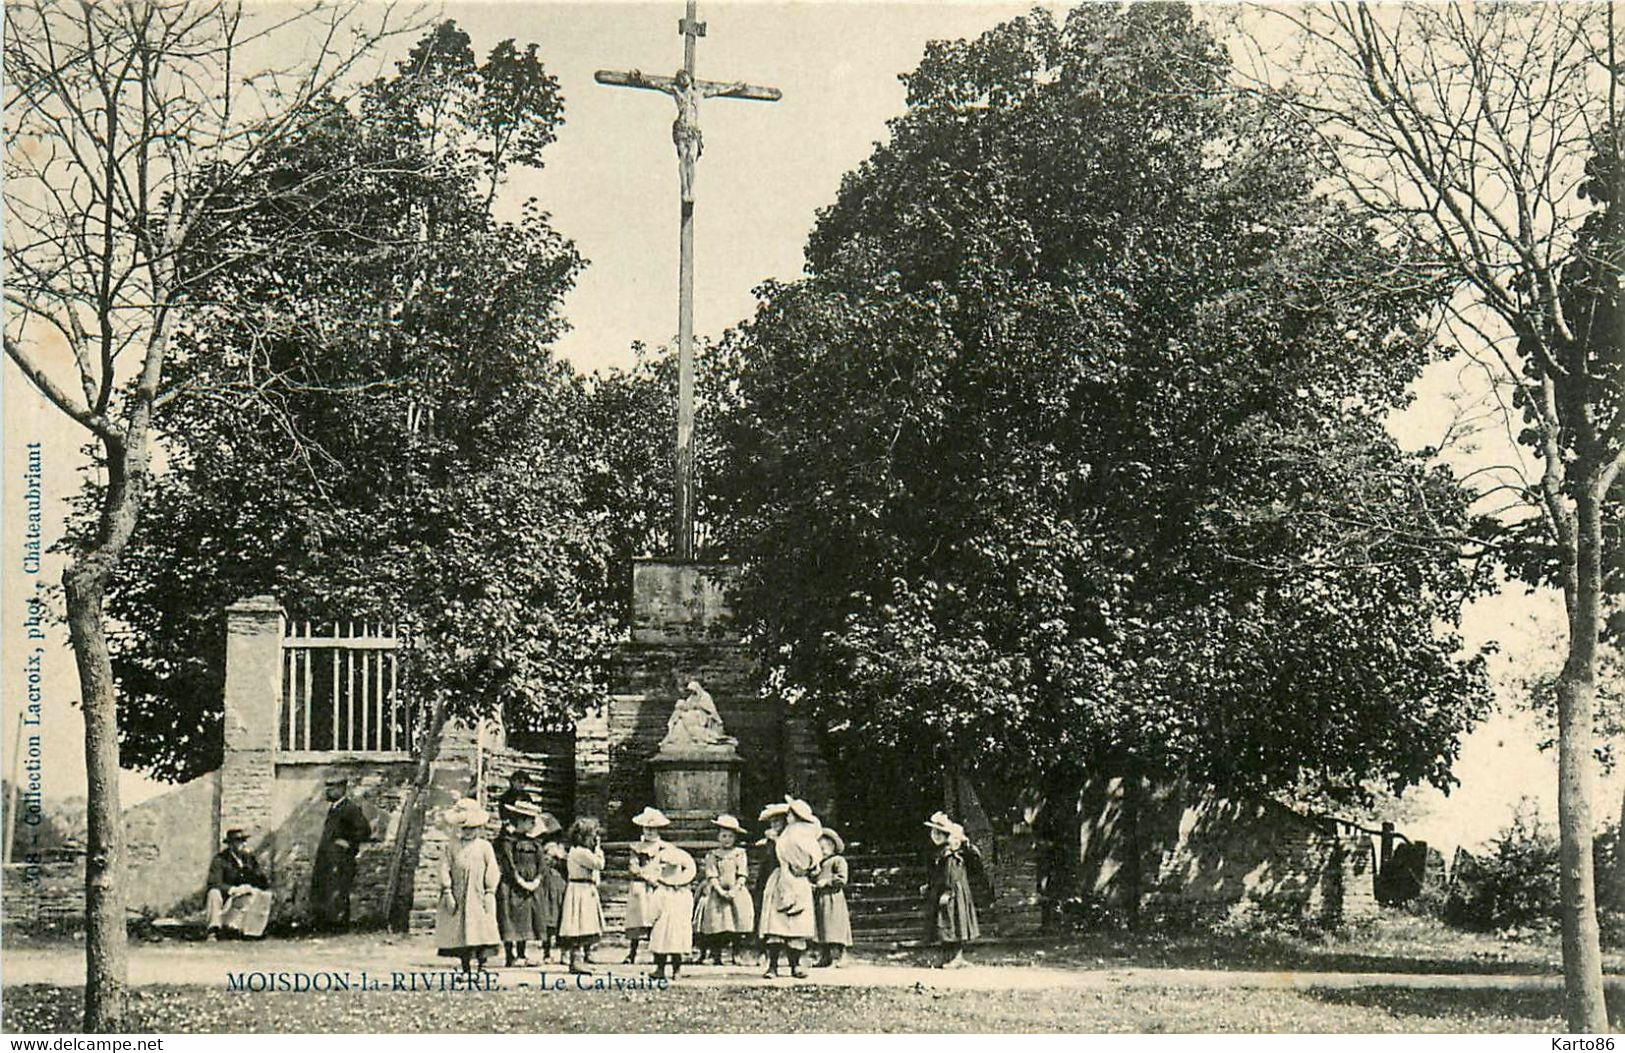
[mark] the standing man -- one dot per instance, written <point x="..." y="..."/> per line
<point x="521" y="787"/>
<point x="342" y="835"/>
<point x="239" y="900"/>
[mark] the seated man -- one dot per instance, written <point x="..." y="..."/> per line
<point x="239" y="899"/>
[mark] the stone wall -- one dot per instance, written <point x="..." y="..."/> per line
<point x="169" y="841"/>
<point x="682" y="603"/>
<point x="1012" y="860"/>
<point x="1208" y="856"/>
<point x="287" y="838"/>
<point x="44" y="896"/>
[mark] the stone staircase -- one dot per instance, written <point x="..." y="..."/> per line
<point x="884" y="896"/>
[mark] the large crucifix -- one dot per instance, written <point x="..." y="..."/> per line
<point x="686" y="90"/>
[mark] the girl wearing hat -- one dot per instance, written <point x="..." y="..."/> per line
<point x="672" y="906"/>
<point x="643" y="880"/>
<point x="554" y="882"/>
<point x="582" y="919"/>
<point x="774" y="816"/>
<point x="466" y="921"/>
<point x="829" y="900"/>
<point x="521" y="913"/>
<point x="724" y="913"/>
<point x="787" y="901"/>
<point x="950" y="907"/>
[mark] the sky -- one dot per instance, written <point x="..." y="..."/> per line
<point x="610" y="183"/>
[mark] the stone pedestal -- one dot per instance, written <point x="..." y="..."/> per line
<point x="693" y="787"/>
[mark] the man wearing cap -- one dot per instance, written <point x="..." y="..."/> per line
<point x="238" y="900"/>
<point x="520" y="788"/>
<point x="332" y="876"/>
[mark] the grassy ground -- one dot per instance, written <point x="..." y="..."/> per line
<point x="1091" y="1003"/>
<point x="1393" y="943"/>
<point x="35" y="1009"/>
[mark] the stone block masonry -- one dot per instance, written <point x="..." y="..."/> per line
<point x="683" y="629"/>
<point x="253" y="692"/>
<point x="1192" y="852"/>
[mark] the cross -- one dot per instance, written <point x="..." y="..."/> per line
<point x="686" y="91"/>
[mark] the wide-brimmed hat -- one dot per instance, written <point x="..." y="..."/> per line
<point x="940" y="821"/>
<point x="236" y="833"/>
<point x="840" y="844"/>
<point x="463" y="811"/>
<point x="728" y="822"/>
<point x="773" y="811"/>
<point x="338" y="780"/>
<point x="800" y="809"/>
<point x="546" y="824"/>
<point x="651" y="817"/>
<point x="525" y="808"/>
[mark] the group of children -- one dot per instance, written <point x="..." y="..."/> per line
<point x="529" y="886"/>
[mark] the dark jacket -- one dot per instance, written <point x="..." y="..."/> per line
<point x="345" y="822"/>
<point x="228" y="869"/>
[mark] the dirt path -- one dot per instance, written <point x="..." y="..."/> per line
<point x="208" y="965"/>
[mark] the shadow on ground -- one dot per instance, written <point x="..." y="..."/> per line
<point x="1455" y="1005"/>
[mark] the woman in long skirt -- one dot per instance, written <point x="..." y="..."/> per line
<point x="466" y="922"/>
<point x="581" y="920"/>
<point x="520" y="908"/>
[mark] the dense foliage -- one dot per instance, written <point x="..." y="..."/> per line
<point x="1512" y="885"/>
<point x="371" y="426"/>
<point x="1070" y="447"/>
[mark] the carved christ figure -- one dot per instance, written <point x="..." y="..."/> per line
<point x="685" y="130"/>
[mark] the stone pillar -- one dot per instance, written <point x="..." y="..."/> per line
<point x="253" y="701"/>
<point x="592" y="765"/>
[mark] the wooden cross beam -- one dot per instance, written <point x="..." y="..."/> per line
<point x="686" y="90"/>
<point x="710" y="89"/>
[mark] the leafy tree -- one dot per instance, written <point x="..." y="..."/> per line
<point x="629" y="415"/>
<point x="1071" y="451"/>
<point x="127" y="126"/>
<point x="375" y="428"/>
<point x="1483" y="141"/>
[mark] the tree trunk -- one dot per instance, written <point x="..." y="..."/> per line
<point x="1133" y="850"/>
<point x="106" y="966"/>
<point x="1585" y="1010"/>
<point x="85" y="586"/>
<point x="1058" y="829"/>
<point x="428" y="750"/>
